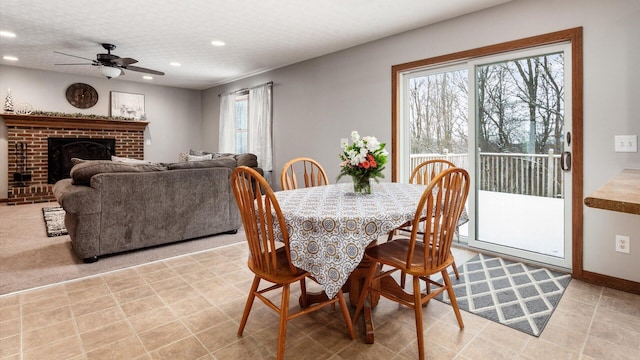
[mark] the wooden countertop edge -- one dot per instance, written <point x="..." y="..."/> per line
<point x="613" y="205"/>
<point x="621" y="193"/>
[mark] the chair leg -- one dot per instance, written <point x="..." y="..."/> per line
<point x="303" y="294"/>
<point x="455" y="270"/>
<point x="452" y="297"/>
<point x="391" y="233"/>
<point x="284" y="318"/>
<point x="365" y="290"/>
<point x="247" y="306"/>
<point x="345" y="314"/>
<point x="417" y="307"/>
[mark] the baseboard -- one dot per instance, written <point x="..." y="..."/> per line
<point x="611" y="282"/>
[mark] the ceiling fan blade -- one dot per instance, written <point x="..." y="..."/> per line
<point x="76" y="64"/>
<point x="79" y="57"/>
<point x="144" y="70"/>
<point x="124" y="61"/>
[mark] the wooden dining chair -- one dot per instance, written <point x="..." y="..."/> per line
<point x="423" y="174"/>
<point x="423" y="254"/>
<point x="270" y="258"/>
<point x="305" y="169"/>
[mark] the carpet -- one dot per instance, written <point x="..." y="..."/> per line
<point x="29" y="259"/>
<point x="514" y="294"/>
<point x="54" y="221"/>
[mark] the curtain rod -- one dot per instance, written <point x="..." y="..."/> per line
<point x="270" y="83"/>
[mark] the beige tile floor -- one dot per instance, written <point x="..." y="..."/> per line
<point x="189" y="308"/>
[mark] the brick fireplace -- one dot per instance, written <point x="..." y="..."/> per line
<point x="28" y="148"/>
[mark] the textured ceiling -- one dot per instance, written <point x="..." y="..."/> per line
<point x="260" y="34"/>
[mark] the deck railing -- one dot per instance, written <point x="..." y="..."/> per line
<point x="523" y="174"/>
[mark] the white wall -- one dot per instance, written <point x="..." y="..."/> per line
<point x="175" y="115"/>
<point x="317" y="102"/>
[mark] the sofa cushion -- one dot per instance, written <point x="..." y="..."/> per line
<point x="228" y="162"/>
<point x="81" y="173"/>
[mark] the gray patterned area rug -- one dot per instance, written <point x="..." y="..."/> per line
<point x="514" y="294"/>
<point x="54" y="221"/>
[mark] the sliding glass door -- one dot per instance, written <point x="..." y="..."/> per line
<point x="505" y="119"/>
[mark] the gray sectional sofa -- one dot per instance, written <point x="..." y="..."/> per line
<point x="116" y="206"/>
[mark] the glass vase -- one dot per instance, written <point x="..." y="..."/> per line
<point x="361" y="184"/>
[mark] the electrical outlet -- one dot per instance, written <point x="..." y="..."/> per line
<point x="344" y="143"/>
<point x="626" y="143"/>
<point x="622" y="244"/>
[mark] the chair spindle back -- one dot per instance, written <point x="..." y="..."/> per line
<point x="309" y="171"/>
<point x="427" y="170"/>
<point x="260" y="214"/>
<point x="438" y="212"/>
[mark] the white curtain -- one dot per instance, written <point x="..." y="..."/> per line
<point x="259" y="128"/>
<point x="227" y="132"/>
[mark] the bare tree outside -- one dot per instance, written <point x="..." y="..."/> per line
<point x="519" y="109"/>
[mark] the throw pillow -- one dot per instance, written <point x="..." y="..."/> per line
<point x="76" y="161"/>
<point x="81" y="173"/>
<point x="217" y="155"/>
<point x="248" y="159"/>
<point x="222" y="162"/>
<point x="183" y="157"/>
<point x="128" y="160"/>
<point x="199" y="152"/>
<point x="199" y="157"/>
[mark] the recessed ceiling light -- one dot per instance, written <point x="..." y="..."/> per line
<point x="10" y="58"/>
<point x="218" y="43"/>
<point x="173" y="63"/>
<point x="147" y="77"/>
<point x="7" y="34"/>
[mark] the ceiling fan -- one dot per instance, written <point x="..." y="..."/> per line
<point x="112" y="65"/>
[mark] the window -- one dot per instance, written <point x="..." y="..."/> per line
<point x="241" y="123"/>
<point x="245" y="124"/>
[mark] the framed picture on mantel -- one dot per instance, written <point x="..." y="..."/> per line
<point x="128" y="105"/>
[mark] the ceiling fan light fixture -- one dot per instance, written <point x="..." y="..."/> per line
<point x="109" y="71"/>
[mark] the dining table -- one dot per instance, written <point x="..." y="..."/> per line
<point x="330" y="227"/>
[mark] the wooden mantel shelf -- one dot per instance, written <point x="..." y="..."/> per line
<point x="72" y="122"/>
<point x="621" y="193"/>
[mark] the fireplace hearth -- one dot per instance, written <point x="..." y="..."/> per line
<point x="62" y="150"/>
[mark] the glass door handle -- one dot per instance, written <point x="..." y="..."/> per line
<point x="565" y="161"/>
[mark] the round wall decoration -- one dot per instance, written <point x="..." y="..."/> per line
<point x="82" y="96"/>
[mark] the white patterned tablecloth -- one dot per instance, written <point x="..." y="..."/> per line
<point x="330" y="226"/>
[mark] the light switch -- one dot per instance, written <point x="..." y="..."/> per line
<point x="626" y="143"/>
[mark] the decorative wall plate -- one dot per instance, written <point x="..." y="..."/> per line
<point x="82" y="96"/>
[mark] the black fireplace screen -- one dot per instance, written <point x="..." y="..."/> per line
<point x="62" y="150"/>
